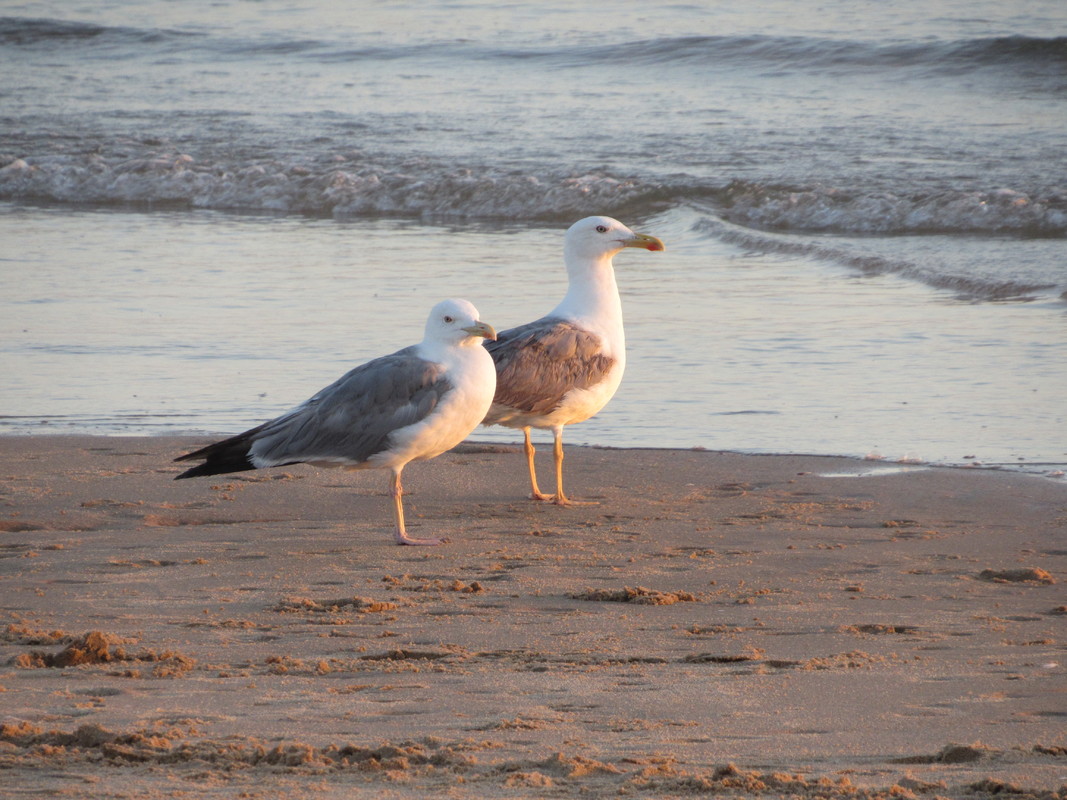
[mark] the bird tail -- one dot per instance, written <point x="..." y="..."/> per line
<point x="229" y="455"/>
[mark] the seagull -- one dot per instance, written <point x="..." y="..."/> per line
<point x="565" y="367"/>
<point x="409" y="406"/>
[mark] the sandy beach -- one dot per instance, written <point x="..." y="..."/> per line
<point x="717" y="624"/>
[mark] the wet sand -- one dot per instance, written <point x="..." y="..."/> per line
<point x="717" y="624"/>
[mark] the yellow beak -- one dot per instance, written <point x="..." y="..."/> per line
<point x="644" y="241"/>
<point x="483" y="329"/>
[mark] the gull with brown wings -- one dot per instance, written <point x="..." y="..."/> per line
<point x="564" y="367"/>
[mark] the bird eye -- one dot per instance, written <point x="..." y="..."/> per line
<point x="601" y="228"/>
<point x="449" y="320"/>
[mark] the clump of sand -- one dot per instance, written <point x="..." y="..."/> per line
<point x="97" y="647"/>
<point x="635" y="594"/>
<point x="1030" y="575"/>
<point x="361" y="605"/>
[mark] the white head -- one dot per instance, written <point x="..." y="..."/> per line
<point x="594" y="239"/>
<point x="455" y="322"/>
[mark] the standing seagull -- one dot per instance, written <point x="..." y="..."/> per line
<point x="409" y="406"/>
<point x="566" y="366"/>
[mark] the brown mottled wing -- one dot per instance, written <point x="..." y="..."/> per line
<point x="538" y="363"/>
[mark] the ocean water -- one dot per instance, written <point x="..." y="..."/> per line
<point x="210" y="210"/>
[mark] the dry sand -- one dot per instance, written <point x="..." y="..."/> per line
<point x="724" y="625"/>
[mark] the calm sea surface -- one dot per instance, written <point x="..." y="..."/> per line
<point x="208" y="211"/>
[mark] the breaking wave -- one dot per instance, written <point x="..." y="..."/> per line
<point x="339" y="186"/>
<point x="835" y="210"/>
<point x="973" y="287"/>
<point x="352" y="189"/>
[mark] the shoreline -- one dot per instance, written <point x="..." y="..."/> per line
<point x="719" y="623"/>
<point x="1051" y="470"/>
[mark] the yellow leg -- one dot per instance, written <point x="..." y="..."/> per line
<point x="560" y="498"/>
<point x="535" y="493"/>
<point x="397" y="491"/>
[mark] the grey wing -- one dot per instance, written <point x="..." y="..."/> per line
<point x="538" y="363"/>
<point x="352" y="418"/>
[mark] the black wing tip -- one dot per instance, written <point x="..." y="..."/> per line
<point x="189" y="473"/>
<point x="241" y="464"/>
<point x="203" y="453"/>
<point x="192" y="472"/>
<point x="230" y="455"/>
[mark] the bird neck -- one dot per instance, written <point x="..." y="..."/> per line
<point x="447" y="352"/>
<point x="592" y="293"/>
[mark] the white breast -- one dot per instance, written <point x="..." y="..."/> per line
<point x="472" y="374"/>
